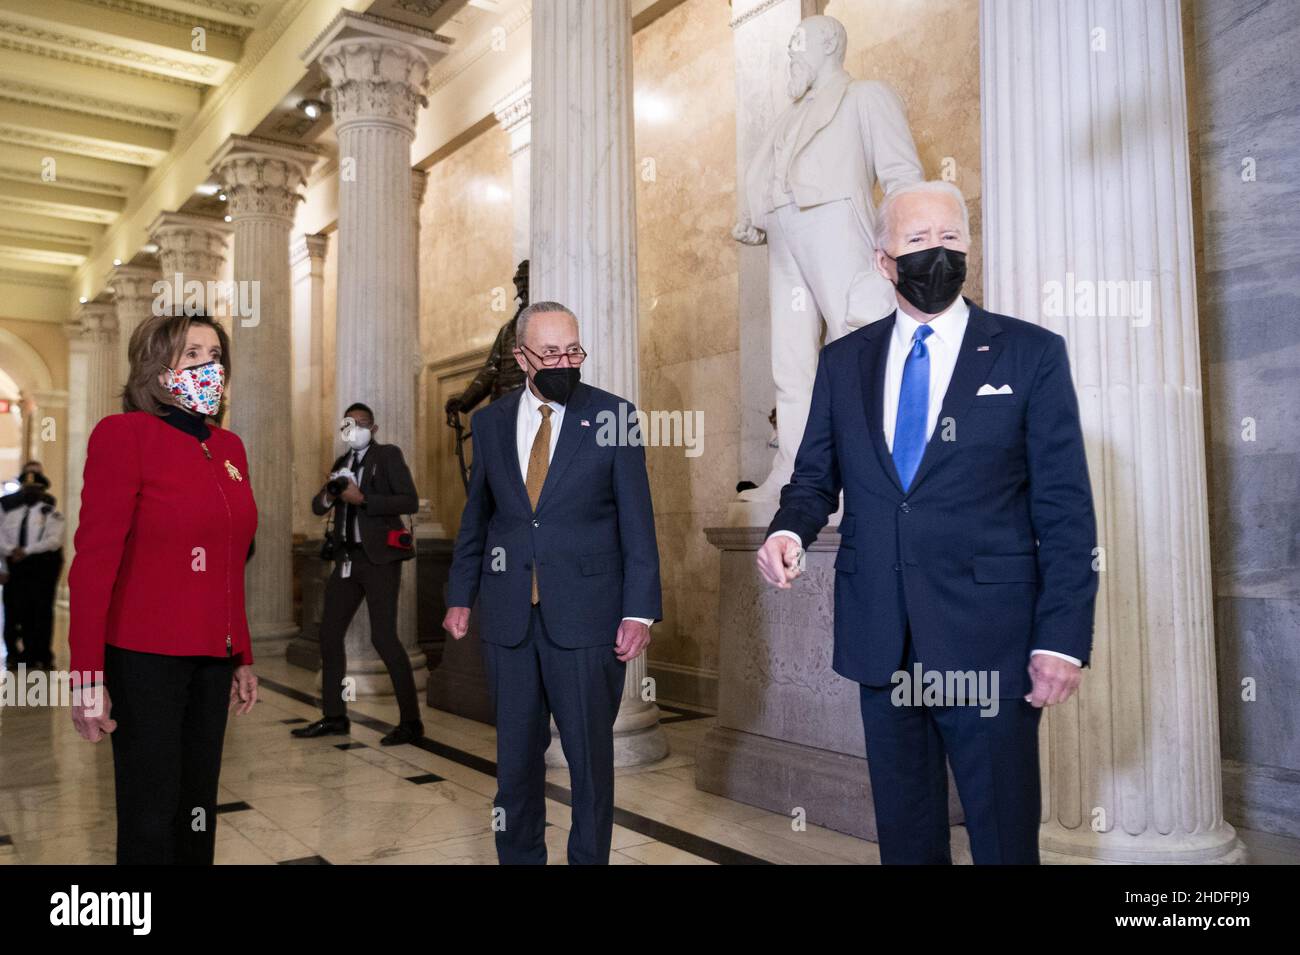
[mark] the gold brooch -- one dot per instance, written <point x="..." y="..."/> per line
<point x="233" y="471"/>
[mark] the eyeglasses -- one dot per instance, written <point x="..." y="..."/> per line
<point x="575" y="355"/>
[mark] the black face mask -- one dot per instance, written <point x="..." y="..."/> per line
<point x="556" y="384"/>
<point x="931" y="279"/>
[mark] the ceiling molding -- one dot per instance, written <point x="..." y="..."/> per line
<point x="43" y="37"/>
<point x="27" y="137"/>
<point x="174" y="17"/>
<point x="72" y="182"/>
<point x="8" y="43"/>
<point x="27" y="92"/>
<point x="461" y="60"/>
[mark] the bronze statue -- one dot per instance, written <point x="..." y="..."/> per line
<point x="500" y="373"/>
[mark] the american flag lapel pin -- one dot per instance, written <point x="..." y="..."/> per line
<point x="982" y="348"/>
<point x="585" y="423"/>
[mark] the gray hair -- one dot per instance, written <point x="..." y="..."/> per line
<point x="885" y="216"/>
<point x="521" y="323"/>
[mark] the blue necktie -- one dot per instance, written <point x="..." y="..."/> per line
<point x="913" y="409"/>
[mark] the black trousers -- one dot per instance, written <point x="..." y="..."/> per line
<point x="583" y="688"/>
<point x="171" y="724"/>
<point x="377" y="585"/>
<point x="29" y="607"/>
<point x="994" y="763"/>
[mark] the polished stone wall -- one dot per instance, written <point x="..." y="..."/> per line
<point x="1247" y="114"/>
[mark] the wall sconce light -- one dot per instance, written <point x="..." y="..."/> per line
<point x="312" y="108"/>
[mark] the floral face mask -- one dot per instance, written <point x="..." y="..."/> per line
<point x="199" y="387"/>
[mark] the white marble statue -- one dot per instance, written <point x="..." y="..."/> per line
<point x="808" y="193"/>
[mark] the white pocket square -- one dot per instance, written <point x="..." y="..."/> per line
<point x="990" y="390"/>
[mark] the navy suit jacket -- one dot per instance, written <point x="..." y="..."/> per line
<point x="989" y="554"/>
<point x="592" y="535"/>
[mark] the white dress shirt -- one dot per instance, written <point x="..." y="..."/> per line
<point x="528" y="422"/>
<point x="949" y="328"/>
<point x="944" y="345"/>
<point x="44" y="530"/>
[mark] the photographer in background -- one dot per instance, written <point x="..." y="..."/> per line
<point x="369" y="488"/>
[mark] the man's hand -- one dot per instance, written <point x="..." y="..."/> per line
<point x="243" y="689"/>
<point x="778" y="560"/>
<point x="633" y="637"/>
<point x="456" y="622"/>
<point x="17" y="555"/>
<point x="91" y="709"/>
<point x="1055" y="680"/>
<point x="352" y="494"/>
<point x="746" y="233"/>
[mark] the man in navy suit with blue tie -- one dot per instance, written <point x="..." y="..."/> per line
<point x="967" y="539"/>
<point x="557" y="543"/>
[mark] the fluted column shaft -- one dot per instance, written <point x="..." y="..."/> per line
<point x="378" y="84"/>
<point x="261" y="180"/>
<point x="583" y="229"/>
<point x="1086" y="182"/>
<point x="92" y="394"/>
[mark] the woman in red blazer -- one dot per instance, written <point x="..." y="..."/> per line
<point x="157" y="590"/>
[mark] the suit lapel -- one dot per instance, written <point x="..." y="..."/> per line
<point x="821" y="111"/>
<point x="571" y="435"/>
<point x="872" y="360"/>
<point x="979" y="350"/>
<point x="507" y="440"/>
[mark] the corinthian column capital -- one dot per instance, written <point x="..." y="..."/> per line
<point x="261" y="176"/>
<point x="94" y="324"/>
<point x="378" y="70"/>
<point x="194" y="246"/>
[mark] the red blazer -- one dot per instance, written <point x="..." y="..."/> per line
<point x="151" y="499"/>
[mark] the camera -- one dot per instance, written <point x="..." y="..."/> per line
<point x="339" y="481"/>
<point x="400" y="538"/>
<point x="328" y="547"/>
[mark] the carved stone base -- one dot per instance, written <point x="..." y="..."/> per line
<point x="789" y="731"/>
<point x="459" y="683"/>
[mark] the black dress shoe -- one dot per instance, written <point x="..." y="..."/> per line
<point x="329" y="726"/>
<point x="406" y="732"/>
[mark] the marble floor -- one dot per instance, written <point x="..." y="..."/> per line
<point x="337" y="800"/>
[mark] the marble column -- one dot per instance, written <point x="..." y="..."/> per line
<point x="192" y="248"/>
<point x="261" y="179"/>
<point x="378" y="75"/>
<point x="1087" y="202"/>
<point x="583" y="228"/>
<point x="92" y="395"/>
<point x="761" y="31"/>
<point x="514" y="113"/>
<point x="133" y="297"/>
<point x="313" y="446"/>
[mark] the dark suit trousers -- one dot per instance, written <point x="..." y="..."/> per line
<point x="377" y="585"/>
<point x="171" y="725"/>
<point x="994" y="762"/>
<point x="40" y="581"/>
<point x="583" y="688"/>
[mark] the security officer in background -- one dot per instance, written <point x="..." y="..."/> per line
<point x="31" y="540"/>
<point x="370" y="543"/>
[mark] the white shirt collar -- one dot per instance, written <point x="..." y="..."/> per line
<point x="948" y="326"/>
<point x="535" y="403"/>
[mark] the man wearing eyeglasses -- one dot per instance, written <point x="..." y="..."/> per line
<point x="557" y="543"/>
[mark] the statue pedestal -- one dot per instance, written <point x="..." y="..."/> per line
<point x="789" y="731"/>
<point x="459" y="683"/>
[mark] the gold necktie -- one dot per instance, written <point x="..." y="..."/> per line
<point x="539" y="459"/>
